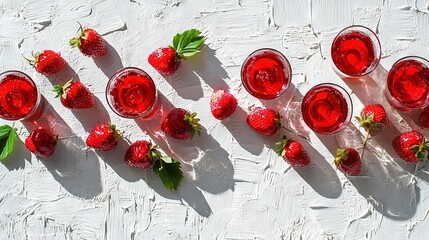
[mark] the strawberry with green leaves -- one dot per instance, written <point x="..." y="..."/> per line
<point x="293" y="152"/>
<point x="89" y="42"/>
<point x="181" y="124"/>
<point x="47" y="62"/>
<point x="7" y="141"/>
<point x="103" y="137"/>
<point x="348" y="161"/>
<point x="411" y="146"/>
<point x="142" y="154"/>
<point x="372" y="119"/>
<point x="74" y="95"/>
<point x="166" y="60"/>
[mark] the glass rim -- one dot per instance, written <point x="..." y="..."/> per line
<point x="31" y="81"/>
<point x="110" y="101"/>
<point x="349" y="102"/>
<point x="371" y="35"/>
<point x="390" y="97"/>
<point x="289" y="66"/>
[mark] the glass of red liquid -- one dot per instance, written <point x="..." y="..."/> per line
<point x="19" y="97"/>
<point x="131" y="93"/>
<point x="266" y="73"/>
<point x="327" y="108"/>
<point x="356" y="51"/>
<point x="408" y="84"/>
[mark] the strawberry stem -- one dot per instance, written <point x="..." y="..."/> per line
<point x="364" y="143"/>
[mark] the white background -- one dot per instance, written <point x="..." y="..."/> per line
<point x="235" y="187"/>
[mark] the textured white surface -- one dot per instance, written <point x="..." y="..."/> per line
<point x="235" y="186"/>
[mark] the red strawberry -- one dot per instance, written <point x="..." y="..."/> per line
<point x="89" y="42"/>
<point x="47" y="62"/>
<point x="411" y="146"/>
<point x="75" y="95"/>
<point x="264" y="121"/>
<point x="41" y="142"/>
<point x="348" y="161"/>
<point x="142" y="154"/>
<point x="164" y="60"/>
<point x="138" y="155"/>
<point x="103" y="137"/>
<point x="293" y="152"/>
<point x="424" y="118"/>
<point x="372" y="117"/>
<point x="222" y="104"/>
<point x="167" y="60"/>
<point x="181" y="124"/>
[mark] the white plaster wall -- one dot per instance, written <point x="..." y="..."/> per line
<point x="235" y="187"/>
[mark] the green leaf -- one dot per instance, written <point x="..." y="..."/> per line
<point x="176" y="41"/>
<point x="170" y="173"/>
<point x="4" y="131"/>
<point x="7" y="141"/>
<point x="167" y="159"/>
<point x="187" y="43"/>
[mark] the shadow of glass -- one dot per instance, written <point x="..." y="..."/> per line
<point x="74" y="169"/>
<point x="394" y="197"/>
<point x="109" y="63"/>
<point x="50" y="119"/>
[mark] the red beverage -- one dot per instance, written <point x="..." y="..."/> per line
<point x="19" y="98"/>
<point x="408" y="83"/>
<point x="131" y="93"/>
<point x="356" y="51"/>
<point x="266" y="73"/>
<point x="327" y="108"/>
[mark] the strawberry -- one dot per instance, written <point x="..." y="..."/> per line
<point x="47" y="62"/>
<point x="372" y="117"/>
<point x="181" y="124"/>
<point x="142" y="154"/>
<point x="411" y="146"/>
<point x="264" y="121"/>
<point x="166" y="60"/>
<point x="41" y="142"/>
<point x="222" y="104"/>
<point x="75" y="95"/>
<point x="103" y="137"/>
<point x="424" y="118"/>
<point x="348" y="161"/>
<point x="138" y="155"/>
<point x="293" y="152"/>
<point x="89" y="42"/>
